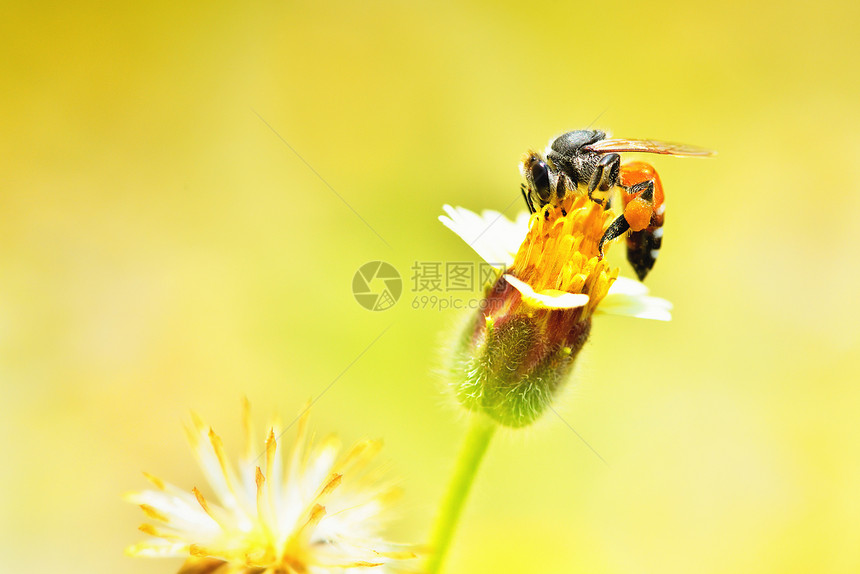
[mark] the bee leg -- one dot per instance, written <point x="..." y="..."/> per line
<point x="605" y="176"/>
<point x="561" y="187"/>
<point x="646" y="187"/>
<point x="529" y="203"/>
<point x="615" y="229"/>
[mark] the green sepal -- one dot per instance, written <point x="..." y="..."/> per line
<point x="509" y="370"/>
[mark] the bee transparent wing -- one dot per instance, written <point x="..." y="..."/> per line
<point x="648" y="146"/>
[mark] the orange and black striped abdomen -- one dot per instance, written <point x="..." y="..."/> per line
<point x="644" y="211"/>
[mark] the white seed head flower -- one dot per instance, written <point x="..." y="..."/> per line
<point x="306" y="511"/>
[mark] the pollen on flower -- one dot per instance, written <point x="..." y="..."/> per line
<point x="560" y="251"/>
<point x="306" y="511"/>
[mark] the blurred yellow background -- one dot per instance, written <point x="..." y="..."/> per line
<point x="164" y="250"/>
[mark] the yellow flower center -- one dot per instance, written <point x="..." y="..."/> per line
<point x="560" y="254"/>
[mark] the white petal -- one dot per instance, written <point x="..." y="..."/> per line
<point x="630" y="298"/>
<point x="492" y="235"/>
<point x="625" y="286"/>
<point x="640" y="306"/>
<point x="182" y="509"/>
<point x="549" y="298"/>
<point x="155" y="548"/>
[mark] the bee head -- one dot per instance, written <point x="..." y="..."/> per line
<point x="537" y="176"/>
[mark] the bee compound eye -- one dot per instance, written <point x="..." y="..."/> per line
<point x="540" y="178"/>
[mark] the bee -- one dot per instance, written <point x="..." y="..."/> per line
<point x="587" y="161"/>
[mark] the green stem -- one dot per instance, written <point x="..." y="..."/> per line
<point x="481" y="429"/>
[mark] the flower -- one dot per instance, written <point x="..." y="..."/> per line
<point x="497" y="239"/>
<point x="310" y="512"/>
<point x="514" y="356"/>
